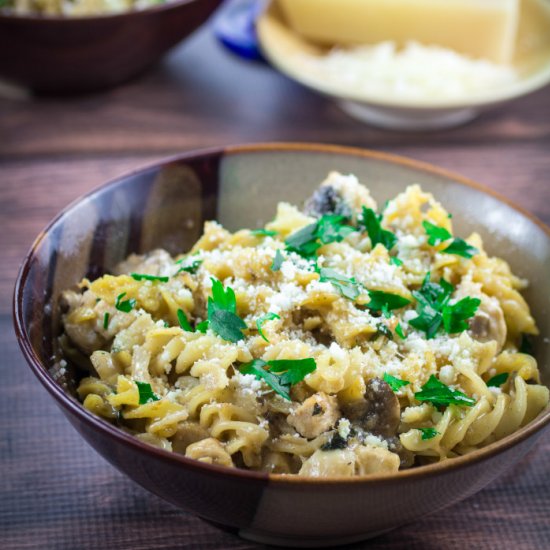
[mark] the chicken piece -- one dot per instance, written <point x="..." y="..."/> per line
<point x="488" y="323"/>
<point x="379" y="411"/>
<point x="156" y="262"/>
<point x="210" y="451"/>
<point x="375" y="460"/>
<point x="329" y="463"/>
<point x="315" y="415"/>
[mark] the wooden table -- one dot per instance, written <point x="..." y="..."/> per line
<point x="55" y="492"/>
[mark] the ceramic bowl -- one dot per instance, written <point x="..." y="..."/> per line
<point x="82" y="54"/>
<point x="284" y="49"/>
<point x="164" y="206"/>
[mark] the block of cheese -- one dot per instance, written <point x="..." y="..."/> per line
<point x="477" y="28"/>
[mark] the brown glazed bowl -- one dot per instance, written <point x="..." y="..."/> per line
<point x="164" y="206"/>
<point x="82" y="54"/>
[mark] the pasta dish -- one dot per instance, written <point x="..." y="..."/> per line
<point x="342" y="339"/>
<point x="76" y="8"/>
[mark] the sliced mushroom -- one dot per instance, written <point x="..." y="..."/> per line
<point x="406" y="457"/>
<point x="379" y="411"/>
<point x="325" y="200"/>
<point x="315" y="415"/>
<point x="488" y="323"/>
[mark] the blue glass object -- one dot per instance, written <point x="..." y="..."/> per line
<point x="235" y="27"/>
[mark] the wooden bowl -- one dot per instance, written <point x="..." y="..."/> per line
<point x="164" y="206"/>
<point x="82" y="54"/>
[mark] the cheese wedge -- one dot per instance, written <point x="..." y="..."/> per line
<point x="477" y="28"/>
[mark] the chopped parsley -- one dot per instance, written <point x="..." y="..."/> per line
<point x="394" y="260"/>
<point x="394" y="383"/>
<point x="106" y="320"/>
<point x="188" y="267"/>
<point x="399" y="331"/>
<point x="384" y="330"/>
<point x="434" y="310"/>
<point x="202" y="327"/>
<point x="145" y="277"/>
<point x="438" y="235"/>
<point x="371" y="222"/>
<point x="269" y="316"/>
<point x="327" y="229"/>
<point x="440" y="395"/>
<point x="280" y="374"/>
<point x="263" y="232"/>
<point x="184" y="322"/>
<point x="222" y="313"/>
<point x="348" y="287"/>
<point x="277" y="261"/>
<point x="385" y="302"/>
<point x="428" y="433"/>
<point x="146" y="394"/>
<point x="124" y="305"/>
<point x="497" y="380"/>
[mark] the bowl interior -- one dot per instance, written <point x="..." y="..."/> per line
<point x="286" y="50"/>
<point x="166" y="205"/>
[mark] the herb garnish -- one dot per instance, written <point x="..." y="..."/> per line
<point x="371" y="222"/>
<point x="394" y="260"/>
<point x="222" y="313"/>
<point x="440" y="395"/>
<point x="277" y="261"/>
<point x="202" y="327"/>
<point x="384" y="331"/>
<point x="269" y="316"/>
<point x="348" y="287"/>
<point x="335" y="442"/>
<point x="394" y="383"/>
<point x="184" y="322"/>
<point x="146" y="394"/>
<point x="280" y="374"/>
<point x="127" y="305"/>
<point x="433" y="308"/>
<point x="106" y="320"/>
<point x="497" y="380"/>
<point x="428" y="433"/>
<point x="438" y="235"/>
<point x="145" y="277"/>
<point x="327" y="229"/>
<point x="399" y="331"/>
<point x="189" y="268"/>
<point x="384" y="301"/>
<point x="263" y="232"/>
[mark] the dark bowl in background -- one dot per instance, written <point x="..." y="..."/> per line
<point x="82" y="54"/>
<point x="165" y="206"/>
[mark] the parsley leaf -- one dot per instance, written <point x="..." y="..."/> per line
<point x="269" y="316"/>
<point x="202" y="327"/>
<point x="184" y="323"/>
<point x="263" y="232"/>
<point x="277" y="261"/>
<point x="438" y="235"/>
<point x="370" y="221"/>
<point x="428" y="433"/>
<point x="327" y="229"/>
<point x="384" y="301"/>
<point x="461" y="248"/>
<point x="222" y="313"/>
<point x="279" y="375"/>
<point x="106" y="320"/>
<point x="188" y="267"/>
<point x="455" y="315"/>
<point x="399" y="331"/>
<point x="348" y="287"/>
<point x="146" y="394"/>
<point x="498" y="380"/>
<point x="127" y="305"/>
<point x="145" y="277"/>
<point x="395" y="383"/>
<point x="440" y="395"/>
<point x="384" y="331"/>
<point x="394" y="260"/>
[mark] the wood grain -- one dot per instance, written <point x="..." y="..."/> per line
<point x="57" y="493"/>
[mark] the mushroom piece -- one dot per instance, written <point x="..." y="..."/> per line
<point x="315" y="415"/>
<point x="379" y="411"/>
<point x="325" y="200"/>
<point x="488" y="323"/>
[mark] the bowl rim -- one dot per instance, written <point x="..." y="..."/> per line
<point x="520" y="87"/>
<point x="71" y="405"/>
<point x="67" y="19"/>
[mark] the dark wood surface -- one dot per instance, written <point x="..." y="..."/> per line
<point x="55" y="492"/>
